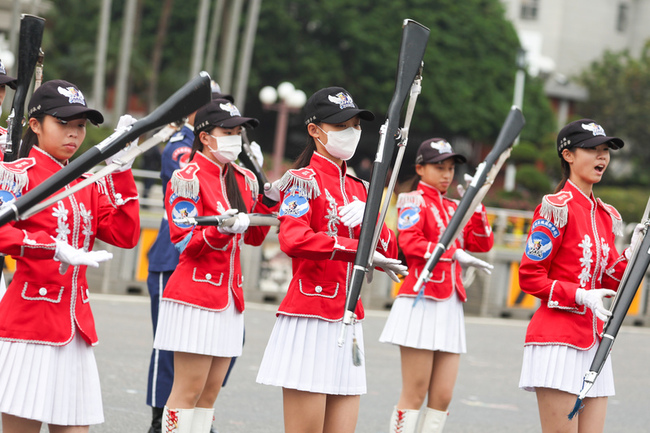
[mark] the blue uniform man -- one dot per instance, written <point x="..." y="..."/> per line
<point x="163" y="259"/>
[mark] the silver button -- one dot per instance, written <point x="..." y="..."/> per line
<point x="42" y="291"/>
<point x="208" y="276"/>
<point x="318" y="289"/>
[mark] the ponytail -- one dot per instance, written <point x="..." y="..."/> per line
<point x="566" y="173"/>
<point x="305" y="156"/>
<point x="29" y="139"/>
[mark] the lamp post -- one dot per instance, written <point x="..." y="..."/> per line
<point x="286" y="99"/>
<point x="518" y="100"/>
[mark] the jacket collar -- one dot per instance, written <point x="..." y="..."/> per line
<point x="430" y="193"/>
<point x="579" y="196"/>
<point x="45" y="160"/>
<point x="324" y="165"/>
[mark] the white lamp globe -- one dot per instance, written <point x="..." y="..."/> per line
<point x="285" y="90"/>
<point x="268" y="95"/>
<point x="297" y="99"/>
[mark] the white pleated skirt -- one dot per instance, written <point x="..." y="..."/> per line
<point x="303" y="354"/>
<point x="52" y="384"/>
<point x="182" y="328"/>
<point x="563" y="368"/>
<point x="429" y="324"/>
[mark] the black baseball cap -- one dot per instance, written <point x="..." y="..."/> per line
<point x="61" y="99"/>
<point x="221" y="113"/>
<point x="6" y="79"/>
<point x="585" y="133"/>
<point x="436" y="150"/>
<point x="333" y="105"/>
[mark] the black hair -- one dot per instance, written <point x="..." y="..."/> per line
<point x="566" y="173"/>
<point x="232" y="187"/>
<point x="29" y="138"/>
<point x="305" y="156"/>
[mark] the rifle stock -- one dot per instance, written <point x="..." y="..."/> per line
<point x="413" y="45"/>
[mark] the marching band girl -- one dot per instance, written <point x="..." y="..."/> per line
<point x="201" y="316"/>
<point x="431" y="332"/>
<point x="47" y="367"/>
<point x="320" y="216"/>
<point x="571" y="264"/>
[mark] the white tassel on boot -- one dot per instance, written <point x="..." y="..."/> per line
<point x="177" y="420"/>
<point x="432" y="421"/>
<point x="203" y="417"/>
<point x="403" y="420"/>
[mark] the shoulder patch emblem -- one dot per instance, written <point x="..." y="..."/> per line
<point x="408" y="217"/>
<point x="539" y="246"/>
<point x="183" y="209"/>
<point x="295" y="203"/>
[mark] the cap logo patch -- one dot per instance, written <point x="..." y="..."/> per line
<point x="441" y="146"/>
<point x="3" y="71"/>
<point x="594" y="128"/>
<point x="230" y="109"/>
<point x="343" y="100"/>
<point x="74" y="95"/>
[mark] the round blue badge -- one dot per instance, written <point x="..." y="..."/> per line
<point x="5" y="197"/>
<point x="539" y="246"/>
<point x="183" y="209"/>
<point x="294" y="205"/>
<point x="408" y="217"/>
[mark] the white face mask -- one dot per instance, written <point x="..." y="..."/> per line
<point x="342" y="144"/>
<point x="228" y="148"/>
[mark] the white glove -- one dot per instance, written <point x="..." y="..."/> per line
<point x="352" y="213"/>
<point x="240" y="225"/>
<point x="392" y="267"/>
<point x="636" y="235"/>
<point x="273" y="192"/>
<point x="123" y="124"/>
<point x="594" y="300"/>
<point x="466" y="260"/>
<point x="460" y="188"/>
<point x="69" y="255"/>
<point x="257" y="153"/>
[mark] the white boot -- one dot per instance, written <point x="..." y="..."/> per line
<point x="403" y="421"/>
<point x="203" y="417"/>
<point x="177" y="420"/>
<point x="432" y="421"/>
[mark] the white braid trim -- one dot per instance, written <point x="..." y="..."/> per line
<point x="617" y="226"/>
<point x="557" y="215"/>
<point x="185" y="188"/>
<point x="309" y="187"/>
<point x="409" y="198"/>
<point x="14" y="182"/>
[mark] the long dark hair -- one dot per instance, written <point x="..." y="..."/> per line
<point x="232" y="187"/>
<point x="29" y="139"/>
<point x="566" y="173"/>
<point x="305" y="156"/>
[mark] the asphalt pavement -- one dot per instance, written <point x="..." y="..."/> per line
<point x="486" y="397"/>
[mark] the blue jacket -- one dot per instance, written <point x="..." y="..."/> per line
<point x="162" y="255"/>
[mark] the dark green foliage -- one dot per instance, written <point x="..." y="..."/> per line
<point x="534" y="180"/>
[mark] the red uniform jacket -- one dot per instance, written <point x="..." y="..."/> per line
<point x="423" y="216"/>
<point x="570" y="246"/>
<point x="209" y="266"/>
<point x="321" y="247"/>
<point x="41" y="305"/>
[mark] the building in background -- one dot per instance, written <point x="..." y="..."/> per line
<point x="563" y="37"/>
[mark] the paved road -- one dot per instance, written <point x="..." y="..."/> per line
<point x="486" y="396"/>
